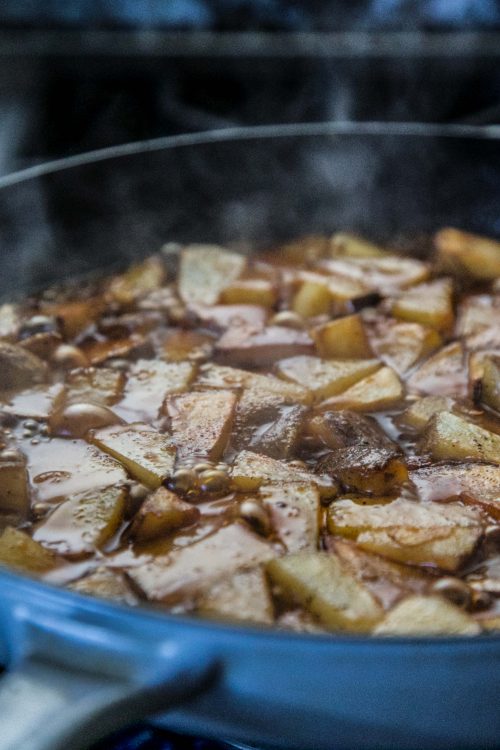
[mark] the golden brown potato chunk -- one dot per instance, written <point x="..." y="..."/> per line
<point x="137" y="281"/>
<point x="418" y="414"/>
<point x="251" y="470"/>
<point x="352" y="246"/>
<point x="377" y="392"/>
<point x="402" y="345"/>
<point x="250" y="292"/>
<point x="294" y="512"/>
<point x="144" y="452"/>
<point x="201" y="422"/>
<point x="443" y="374"/>
<point x="313" y="298"/>
<point x="244" y="597"/>
<point x="14" y="489"/>
<point x="180" y="345"/>
<point x="84" y="523"/>
<point x="449" y="436"/>
<point x="148" y="384"/>
<point x="490" y="383"/>
<point x="427" y="615"/>
<point x="245" y="347"/>
<point x="343" y="338"/>
<point x="385" y="275"/>
<point x="325" y="377"/>
<point x="410" y="532"/>
<point x="161" y="513"/>
<point x="106" y="584"/>
<point x="428" y="304"/>
<point x="97" y="385"/>
<point x="469" y="253"/>
<point x="220" y="376"/>
<point x="327" y="589"/>
<point x="18" y="550"/>
<point x="75" y="315"/>
<point x="20" y="368"/>
<point x="204" y="272"/>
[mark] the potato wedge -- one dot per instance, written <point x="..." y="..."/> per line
<point x="479" y="482"/>
<point x="250" y="292"/>
<point x="385" y="275"/>
<point x="148" y="384"/>
<point x="105" y="584"/>
<point x="20" y="368"/>
<point x="84" y="523"/>
<point x="429" y="304"/>
<point x="417" y="415"/>
<point x="470" y="253"/>
<point x="251" y="470"/>
<point x="144" y="452"/>
<point x="414" y="533"/>
<point x="204" y="272"/>
<point x="449" y="436"/>
<point x="325" y="377"/>
<point x="443" y="374"/>
<point x="313" y="298"/>
<point x="98" y="385"/>
<point x="160" y="514"/>
<point x="377" y="392"/>
<point x="201" y="423"/>
<point x="490" y="383"/>
<point x="402" y="345"/>
<point x="351" y="246"/>
<point x="245" y="347"/>
<point x="294" y="511"/>
<point x="20" y="551"/>
<point x="244" y="597"/>
<point x="325" y="587"/>
<point x="343" y="338"/>
<point x="137" y="281"/>
<point x="427" y="615"/>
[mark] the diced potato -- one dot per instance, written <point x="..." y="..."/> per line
<point x="75" y="315"/>
<point x="325" y="377"/>
<point x="137" y="281"/>
<point x="180" y="345"/>
<point x="443" y="374"/>
<point x="204" y="272"/>
<point x="266" y="423"/>
<point x="251" y="470"/>
<point x="354" y="247"/>
<point x="343" y="338"/>
<point x="10" y="321"/>
<point x="295" y="514"/>
<point x="427" y="615"/>
<point x="244" y="597"/>
<point x="14" y="489"/>
<point x="323" y="586"/>
<point x="149" y="383"/>
<point x="377" y="392"/>
<point x="18" y="550"/>
<point x="362" y="455"/>
<point x="161" y="513"/>
<point x="410" y="532"/>
<point x="250" y="292"/>
<point x="201" y="422"/>
<point x="144" y="452"/>
<point x="449" y="436"/>
<point x="387" y="580"/>
<point x="245" y="347"/>
<point x="385" y="275"/>
<point x="106" y="584"/>
<point x="313" y="298"/>
<point x="476" y="313"/>
<point x="301" y="250"/>
<point x="490" y="383"/>
<point x="418" y="414"/>
<point x="475" y="255"/>
<point x="477" y="484"/>
<point x="99" y="385"/>
<point x="84" y="523"/>
<point x="97" y="351"/>
<point x="428" y="304"/>
<point x="402" y="345"/>
<point x="314" y="288"/>
<point x="219" y="376"/>
<point x="222" y="317"/>
<point x="20" y="368"/>
<point x="186" y="572"/>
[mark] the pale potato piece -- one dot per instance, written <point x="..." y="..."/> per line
<point x="325" y="377"/>
<point x="106" y="584"/>
<point x="244" y="597"/>
<point x="161" y="513"/>
<point x="137" y="281"/>
<point x="20" y="551"/>
<point x="14" y="490"/>
<point x="250" y="292"/>
<point x="144" y="452"/>
<point x="490" y="383"/>
<point x="221" y="376"/>
<point x="352" y="246"/>
<point x="477" y="313"/>
<point x="20" y="368"/>
<point x="251" y="470"/>
<point x="377" y="392"/>
<point x="475" y="255"/>
<point x="427" y="615"/>
<point x="443" y="374"/>
<point x="221" y="317"/>
<point x="317" y="288"/>
<point x="402" y="345"/>
<point x="313" y="298"/>
<point x="205" y="270"/>
<point x="429" y="304"/>
<point x="324" y="586"/>
<point x="385" y="275"/>
<point x="418" y="414"/>
<point x="10" y="321"/>
<point x="294" y="511"/>
<point x="186" y="572"/>
<point x="448" y="436"/>
<point x="343" y="338"/>
<point x="245" y="347"/>
<point x="148" y="384"/>
<point x="201" y="422"/>
<point x="478" y="483"/>
<point x="266" y="423"/>
<point x="410" y="532"/>
<point x="84" y="523"/>
<point x="99" y="385"/>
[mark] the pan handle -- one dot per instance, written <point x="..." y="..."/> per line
<point x="91" y="683"/>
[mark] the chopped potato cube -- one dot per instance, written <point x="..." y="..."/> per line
<point x="266" y="423"/>
<point x="180" y="345"/>
<point x="325" y="587"/>
<point x="75" y="315"/>
<point x="429" y="304"/>
<point x="294" y="512"/>
<point x="14" y="490"/>
<point x="201" y="422"/>
<point x="137" y="281"/>
<point x="251" y="470"/>
<point x="161" y="513"/>
<point x="402" y="345"/>
<point x="343" y="338"/>
<point x="244" y="597"/>
<point x="204" y="272"/>
<point x="410" y="532"/>
<point x="490" y="383"/>
<point x="106" y="584"/>
<point x="477" y="484"/>
<point x="148" y="384"/>
<point x="222" y="317"/>
<point x="148" y="455"/>
<point x="250" y="292"/>
<point x="448" y="436"/>
<point x="20" y="368"/>
<point x="472" y="254"/>
<point x="220" y="376"/>
<point x="98" y="351"/>
<point x="427" y="615"/>
<point x="418" y="414"/>
<point x="18" y="550"/>
<point x="443" y="374"/>
<point x="99" y="385"/>
<point x="313" y="298"/>
<point x="355" y="247"/>
<point x="245" y="347"/>
<point x="385" y="275"/>
<point x="186" y="572"/>
<point x="377" y="392"/>
<point x="325" y="377"/>
<point x="477" y="313"/>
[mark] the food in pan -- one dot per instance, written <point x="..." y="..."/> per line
<point x="307" y="438"/>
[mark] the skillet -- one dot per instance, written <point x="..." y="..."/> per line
<point x="77" y="667"/>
